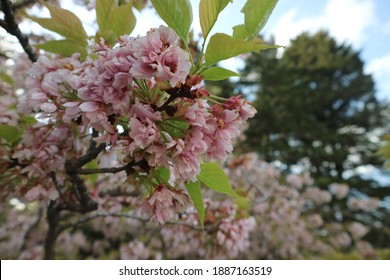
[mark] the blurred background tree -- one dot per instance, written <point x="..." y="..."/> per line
<point x="317" y="108"/>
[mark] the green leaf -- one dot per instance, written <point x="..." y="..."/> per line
<point x="239" y="31"/>
<point x="256" y="15"/>
<point x="103" y="10"/>
<point x="163" y="173"/>
<point x="195" y="193"/>
<point x="6" y="78"/>
<point x="121" y="21"/>
<point x="64" y="47"/>
<point x="140" y="4"/>
<point x="218" y="73"/>
<point x="28" y="120"/>
<point x="175" y="127"/>
<point x="212" y="175"/>
<point x="223" y="46"/>
<point x="208" y="14"/>
<point x="10" y="133"/>
<point x="63" y="22"/>
<point x="242" y="203"/>
<point x="177" y="14"/>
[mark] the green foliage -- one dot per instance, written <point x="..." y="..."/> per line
<point x="383" y="254"/>
<point x="113" y="20"/>
<point x="195" y="193"/>
<point x="344" y="256"/>
<point x="67" y="24"/>
<point x="163" y="174"/>
<point x="218" y="73"/>
<point x="223" y="46"/>
<point x="140" y="4"/>
<point x="63" y="22"/>
<point x="6" y="78"/>
<point x="175" y="127"/>
<point x="177" y="14"/>
<point x="209" y="11"/>
<point x="384" y="151"/>
<point x="212" y="175"/>
<point x="256" y="15"/>
<point x="63" y="47"/>
<point x="10" y="134"/>
<point x="103" y="11"/>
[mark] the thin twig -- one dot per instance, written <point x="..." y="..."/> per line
<point x="10" y="25"/>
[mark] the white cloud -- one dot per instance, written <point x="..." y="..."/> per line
<point x="346" y="20"/>
<point x="380" y="68"/>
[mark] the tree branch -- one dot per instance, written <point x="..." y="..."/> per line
<point x="23" y="4"/>
<point x="123" y="215"/>
<point x="10" y="25"/>
<point x="109" y="169"/>
<point x="183" y="91"/>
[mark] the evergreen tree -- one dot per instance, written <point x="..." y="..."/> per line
<point x="316" y="107"/>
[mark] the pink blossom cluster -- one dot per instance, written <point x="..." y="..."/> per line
<point x="226" y="232"/>
<point x="339" y="190"/>
<point x="141" y="99"/>
<point x="287" y="210"/>
<point x="366" y="204"/>
<point x="165" y="203"/>
<point x="42" y="152"/>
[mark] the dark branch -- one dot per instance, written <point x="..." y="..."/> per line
<point x="10" y="25"/>
<point x="109" y="169"/>
<point x="92" y="153"/>
<point x="23" y="4"/>
<point x="3" y="24"/>
<point x="183" y="91"/>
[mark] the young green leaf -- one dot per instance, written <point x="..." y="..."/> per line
<point x="64" y="47"/>
<point x="208" y="14"/>
<point x="28" y="120"/>
<point x="177" y="14"/>
<point x="256" y="15"/>
<point x="163" y="173"/>
<point x="175" y="127"/>
<point x="103" y="10"/>
<point x="218" y="73"/>
<point x="140" y="4"/>
<point x="212" y="175"/>
<point x="63" y="22"/>
<point x="9" y="133"/>
<point x="6" y="78"/>
<point x="223" y="46"/>
<point x="195" y="193"/>
<point x="121" y="21"/>
<point x="239" y="31"/>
